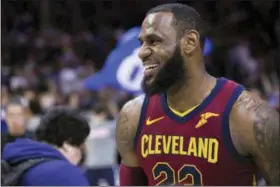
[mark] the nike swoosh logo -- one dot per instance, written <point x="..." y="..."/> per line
<point x="204" y="119"/>
<point x="150" y="122"/>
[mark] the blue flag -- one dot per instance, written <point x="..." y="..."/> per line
<point x="123" y="68"/>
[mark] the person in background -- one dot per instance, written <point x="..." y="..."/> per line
<point x="4" y="100"/>
<point x="73" y="100"/>
<point x="60" y="138"/>
<point x="14" y="124"/>
<point x="4" y="103"/>
<point x="100" y="148"/>
<point x="16" y="118"/>
<point x="47" y="100"/>
<point x="34" y="114"/>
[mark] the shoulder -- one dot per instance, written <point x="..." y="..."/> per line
<point x="252" y="116"/>
<point x="251" y="109"/>
<point x="133" y="105"/>
<point x="130" y="113"/>
<point x="127" y="125"/>
<point x="53" y="173"/>
<point x="255" y="129"/>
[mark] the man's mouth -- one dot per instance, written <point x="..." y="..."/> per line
<point x="150" y="69"/>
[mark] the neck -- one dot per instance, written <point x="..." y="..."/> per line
<point x="191" y="93"/>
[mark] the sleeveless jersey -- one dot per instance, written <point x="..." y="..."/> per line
<point x="195" y="149"/>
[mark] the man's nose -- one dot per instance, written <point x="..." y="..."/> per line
<point x="144" y="52"/>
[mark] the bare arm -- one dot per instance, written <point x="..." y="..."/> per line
<point x="126" y="130"/>
<point x="255" y="131"/>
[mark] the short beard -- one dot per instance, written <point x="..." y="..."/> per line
<point x="173" y="72"/>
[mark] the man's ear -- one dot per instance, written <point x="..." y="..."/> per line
<point x="190" y="41"/>
<point x="67" y="147"/>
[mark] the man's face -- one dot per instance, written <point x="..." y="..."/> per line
<point x="16" y="119"/>
<point x="160" y="53"/>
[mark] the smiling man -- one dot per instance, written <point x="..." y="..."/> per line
<point x="191" y="128"/>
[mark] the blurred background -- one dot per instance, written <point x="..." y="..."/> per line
<point x="82" y="53"/>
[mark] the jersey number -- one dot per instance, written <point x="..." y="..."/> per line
<point x="165" y="174"/>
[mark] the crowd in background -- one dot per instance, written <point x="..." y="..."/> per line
<point x="50" y="47"/>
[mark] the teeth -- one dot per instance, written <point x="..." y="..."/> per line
<point x="150" y="66"/>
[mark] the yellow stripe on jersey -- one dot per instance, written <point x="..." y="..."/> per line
<point x="182" y="114"/>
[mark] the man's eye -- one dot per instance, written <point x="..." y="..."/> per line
<point x="154" y="42"/>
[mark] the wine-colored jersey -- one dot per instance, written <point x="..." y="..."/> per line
<point x="195" y="149"/>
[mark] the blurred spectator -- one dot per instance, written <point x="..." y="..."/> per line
<point x="47" y="100"/>
<point x="73" y="100"/>
<point x="100" y="147"/>
<point x="60" y="139"/>
<point x="69" y="80"/>
<point x="14" y="125"/>
<point x="18" y="80"/>
<point x="16" y="118"/>
<point x="34" y="114"/>
<point x="4" y="101"/>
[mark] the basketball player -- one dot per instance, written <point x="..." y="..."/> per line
<point x="192" y="128"/>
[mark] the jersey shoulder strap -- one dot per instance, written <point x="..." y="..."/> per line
<point x="235" y="91"/>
